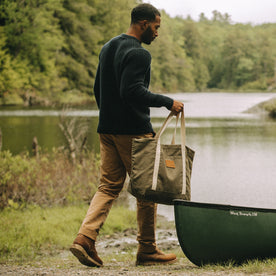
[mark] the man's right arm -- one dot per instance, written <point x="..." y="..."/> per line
<point x="132" y="86"/>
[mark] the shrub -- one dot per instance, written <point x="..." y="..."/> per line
<point x="270" y="107"/>
<point x="51" y="179"/>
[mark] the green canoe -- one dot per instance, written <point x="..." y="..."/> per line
<point x="215" y="233"/>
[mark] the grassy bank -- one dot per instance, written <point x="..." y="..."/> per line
<point x="33" y="232"/>
<point x="43" y="202"/>
<point x="267" y="108"/>
<point x="270" y="107"/>
<point x="70" y="98"/>
<point x="40" y="237"/>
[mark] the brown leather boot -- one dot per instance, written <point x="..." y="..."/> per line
<point x="155" y="258"/>
<point x="84" y="249"/>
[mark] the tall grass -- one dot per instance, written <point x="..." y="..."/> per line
<point x="51" y="179"/>
<point x="32" y="232"/>
<point x="44" y="199"/>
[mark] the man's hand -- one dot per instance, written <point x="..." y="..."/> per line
<point x="177" y="107"/>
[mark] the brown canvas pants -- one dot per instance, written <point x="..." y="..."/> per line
<point x="115" y="163"/>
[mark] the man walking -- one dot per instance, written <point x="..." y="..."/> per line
<point x="124" y="101"/>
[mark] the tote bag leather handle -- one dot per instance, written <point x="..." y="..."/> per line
<point x="158" y="149"/>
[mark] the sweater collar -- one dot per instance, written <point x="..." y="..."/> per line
<point x="130" y="36"/>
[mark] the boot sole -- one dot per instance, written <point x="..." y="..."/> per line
<point x="79" y="252"/>
<point x="149" y="263"/>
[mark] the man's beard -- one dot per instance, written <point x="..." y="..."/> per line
<point x="147" y="36"/>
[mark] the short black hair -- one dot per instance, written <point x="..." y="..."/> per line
<point x="144" y="12"/>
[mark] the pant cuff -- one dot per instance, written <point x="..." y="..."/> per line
<point x="92" y="234"/>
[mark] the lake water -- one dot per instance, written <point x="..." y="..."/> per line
<point x="235" y="157"/>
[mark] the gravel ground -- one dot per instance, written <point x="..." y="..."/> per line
<point x="118" y="253"/>
<point x="110" y="270"/>
<point x="182" y="267"/>
<point x="112" y="249"/>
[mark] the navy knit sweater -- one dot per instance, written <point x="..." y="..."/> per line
<point x="121" y="88"/>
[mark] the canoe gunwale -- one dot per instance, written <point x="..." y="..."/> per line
<point x="221" y="206"/>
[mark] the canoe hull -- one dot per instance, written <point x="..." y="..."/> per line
<point x="215" y="233"/>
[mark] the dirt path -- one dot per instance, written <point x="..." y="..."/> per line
<point x="70" y="267"/>
<point x="118" y="253"/>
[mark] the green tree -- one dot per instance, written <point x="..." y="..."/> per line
<point x="33" y="39"/>
<point x="194" y="47"/>
<point x="237" y="55"/>
<point x="49" y="49"/>
<point x="171" y="68"/>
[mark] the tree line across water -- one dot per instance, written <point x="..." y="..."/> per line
<point x="49" y="50"/>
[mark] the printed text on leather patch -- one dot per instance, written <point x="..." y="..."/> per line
<point x="170" y="164"/>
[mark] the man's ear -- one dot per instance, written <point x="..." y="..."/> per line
<point x="144" y="24"/>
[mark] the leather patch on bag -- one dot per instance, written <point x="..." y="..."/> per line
<point x="170" y="164"/>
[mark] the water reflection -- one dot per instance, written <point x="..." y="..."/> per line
<point x="18" y="132"/>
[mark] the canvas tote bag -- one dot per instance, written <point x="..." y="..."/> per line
<point x="157" y="171"/>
